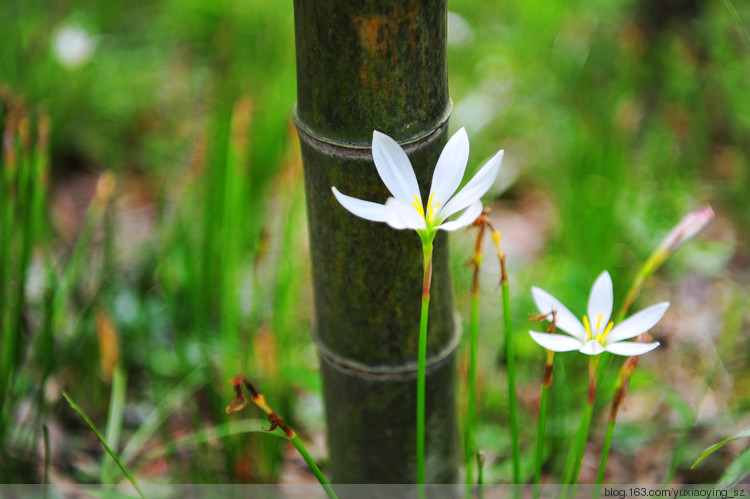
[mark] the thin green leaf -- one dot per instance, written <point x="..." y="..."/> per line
<point x="104" y="443"/>
<point x="213" y="433"/>
<point x="737" y="470"/>
<point x="743" y="434"/>
<point x="114" y="419"/>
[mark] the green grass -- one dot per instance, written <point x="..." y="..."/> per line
<point x="620" y="117"/>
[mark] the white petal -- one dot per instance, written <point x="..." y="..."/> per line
<point x="600" y="303"/>
<point x="401" y="215"/>
<point x="394" y="167"/>
<point x="475" y="188"/>
<point x="638" y="323"/>
<point x="556" y="342"/>
<point x="364" y="209"/>
<point x="592" y="347"/>
<point x="564" y="318"/>
<point x="631" y="348"/>
<point x="450" y="167"/>
<point x="465" y="219"/>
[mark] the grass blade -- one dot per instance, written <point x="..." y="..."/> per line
<point x="737" y="470"/>
<point x="206" y="435"/>
<point x="103" y="441"/>
<point x="114" y="419"/>
<point x="743" y="434"/>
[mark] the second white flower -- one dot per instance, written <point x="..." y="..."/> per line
<point x="596" y="333"/>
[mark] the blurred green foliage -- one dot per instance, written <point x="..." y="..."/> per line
<point x="620" y="115"/>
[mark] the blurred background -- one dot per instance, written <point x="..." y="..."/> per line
<point x="153" y="238"/>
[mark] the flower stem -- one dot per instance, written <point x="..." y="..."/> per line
<point x="472" y="388"/>
<point x="510" y="357"/>
<point x="469" y="443"/>
<point x="575" y="458"/>
<point x="421" y="363"/>
<point x="621" y="388"/>
<point x="511" y="364"/>
<point x="605" y="451"/>
<point x="541" y="429"/>
<point x="313" y="466"/>
<point x="542" y="420"/>
<point x="576" y="455"/>
<point x="634" y="291"/>
<point x="480" y="475"/>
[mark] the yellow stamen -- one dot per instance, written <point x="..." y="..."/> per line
<point x="587" y="326"/>
<point x="599" y="322"/>
<point x="418" y="203"/>
<point x="606" y="331"/>
<point x="418" y="206"/>
<point x="430" y="211"/>
<point x="429" y="200"/>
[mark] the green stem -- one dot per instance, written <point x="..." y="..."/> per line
<point x="313" y="466"/>
<point x="45" y="439"/>
<point x="421" y="367"/>
<point x="541" y="429"/>
<point x="511" y="363"/>
<point x="471" y="402"/>
<point x="605" y="451"/>
<point x="575" y="458"/>
<point x="7" y="330"/>
<point x="480" y="475"/>
<point x="576" y="452"/>
<point x="472" y="388"/>
<point x="421" y="385"/>
<point x="635" y="289"/>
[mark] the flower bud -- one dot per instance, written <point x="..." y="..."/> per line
<point x="690" y="225"/>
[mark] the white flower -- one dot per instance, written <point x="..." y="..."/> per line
<point x="596" y="334"/>
<point x="405" y="210"/>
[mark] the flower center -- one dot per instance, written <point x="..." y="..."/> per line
<point x="600" y="335"/>
<point x="427" y="214"/>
